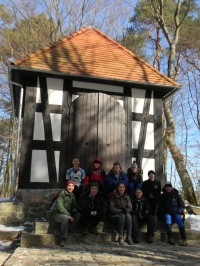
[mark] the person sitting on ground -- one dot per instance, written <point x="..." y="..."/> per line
<point x="66" y="211"/>
<point x="170" y="210"/>
<point x="120" y="208"/>
<point x="77" y="175"/>
<point x="95" y="174"/>
<point x="115" y="177"/>
<point x="135" y="178"/>
<point x="92" y="208"/>
<point x="140" y="215"/>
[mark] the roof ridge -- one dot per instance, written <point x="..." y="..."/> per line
<point x="137" y="57"/>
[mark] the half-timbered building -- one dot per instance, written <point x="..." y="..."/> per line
<point x="87" y="96"/>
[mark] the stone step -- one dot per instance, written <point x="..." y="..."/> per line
<point x="9" y="235"/>
<point x="50" y="240"/>
<point x="36" y="240"/>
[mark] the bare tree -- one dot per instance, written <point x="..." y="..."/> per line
<point x="158" y="8"/>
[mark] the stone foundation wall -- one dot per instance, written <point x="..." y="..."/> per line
<point x="29" y="204"/>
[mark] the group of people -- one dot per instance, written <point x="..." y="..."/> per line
<point x="121" y="197"/>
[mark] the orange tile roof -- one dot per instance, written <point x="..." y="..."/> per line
<point x="91" y="53"/>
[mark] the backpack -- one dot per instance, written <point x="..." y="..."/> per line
<point x="53" y="202"/>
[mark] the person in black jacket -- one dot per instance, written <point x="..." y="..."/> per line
<point x="151" y="190"/>
<point x="140" y="215"/>
<point x="92" y="208"/>
<point x="170" y="209"/>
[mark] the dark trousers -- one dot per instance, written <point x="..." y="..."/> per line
<point x="122" y="221"/>
<point x="89" y="220"/>
<point x="137" y="222"/>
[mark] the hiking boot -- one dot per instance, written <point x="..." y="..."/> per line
<point x="149" y="239"/>
<point x="136" y="240"/>
<point x="171" y="241"/>
<point x="121" y="241"/>
<point x="129" y="241"/>
<point x="99" y="227"/>
<point x="93" y="230"/>
<point x="62" y="242"/>
<point x="84" y="231"/>
<point x="183" y="242"/>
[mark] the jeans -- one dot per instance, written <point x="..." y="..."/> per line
<point x="122" y="221"/>
<point x="170" y="219"/>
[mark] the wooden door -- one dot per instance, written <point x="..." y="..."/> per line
<point x="97" y="128"/>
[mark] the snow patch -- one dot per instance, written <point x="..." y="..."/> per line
<point x="194" y="221"/>
<point x="11" y="228"/>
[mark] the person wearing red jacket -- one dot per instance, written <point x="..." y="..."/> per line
<point x="95" y="175"/>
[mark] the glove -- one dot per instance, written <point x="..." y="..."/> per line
<point x="180" y="211"/>
<point x="124" y="210"/>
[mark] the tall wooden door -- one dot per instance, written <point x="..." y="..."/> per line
<point x="97" y="128"/>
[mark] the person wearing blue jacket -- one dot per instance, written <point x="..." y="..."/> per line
<point x="115" y="177"/>
<point x="170" y="210"/>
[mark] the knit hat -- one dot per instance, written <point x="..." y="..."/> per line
<point x="97" y="160"/>
<point x="168" y="184"/>
<point x="70" y="182"/>
<point x="94" y="184"/>
<point x="134" y="165"/>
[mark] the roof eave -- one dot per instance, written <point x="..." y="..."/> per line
<point x="169" y="89"/>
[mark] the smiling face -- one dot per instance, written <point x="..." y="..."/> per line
<point x="138" y="194"/>
<point x="121" y="189"/>
<point x="152" y="177"/>
<point x="70" y="187"/>
<point x="75" y="163"/>
<point x="168" y="189"/>
<point x="93" y="191"/>
<point x="134" y="170"/>
<point x="96" y="165"/>
<point x="116" y="169"/>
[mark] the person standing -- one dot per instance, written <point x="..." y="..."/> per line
<point x="135" y="178"/>
<point x="95" y="174"/>
<point x="92" y="208"/>
<point x="170" y="210"/>
<point x="115" y="177"/>
<point x="77" y="175"/>
<point x="66" y="211"/>
<point x="120" y="208"/>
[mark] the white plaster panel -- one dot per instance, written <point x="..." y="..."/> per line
<point x="138" y="97"/>
<point x="55" y="84"/>
<point x="56" y="126"/>
<point x="74" y="97"/>
<point x="39" y="167"/>
<point x="57" y="160"/>
<point x="38" y="132"/>
<point x="55" y="91"/>
<point x="38" y="94"/>
<point x="136" y="125"/>
<point x="151" y="109"/>
<point x="97" y="86"/>
<point x="149" y="140"/>
<point x="55" y="97"/>
<point x="147" y="165"/>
